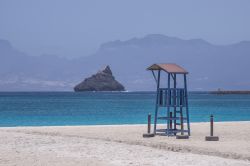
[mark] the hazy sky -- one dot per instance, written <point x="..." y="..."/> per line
<point x="77" y="27"/>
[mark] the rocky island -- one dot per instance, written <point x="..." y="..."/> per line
<point x="101" y="81"/>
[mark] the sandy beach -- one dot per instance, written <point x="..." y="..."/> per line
<point x="123" y="145"/>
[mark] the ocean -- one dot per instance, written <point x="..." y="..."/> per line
<point x="106" y="108"/>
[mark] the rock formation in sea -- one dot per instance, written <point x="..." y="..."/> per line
<point x="101" y="81"/>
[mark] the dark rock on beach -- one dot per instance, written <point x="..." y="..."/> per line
<point x="101" y="81"/>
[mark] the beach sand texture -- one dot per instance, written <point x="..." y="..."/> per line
<point x="123" y="145"/>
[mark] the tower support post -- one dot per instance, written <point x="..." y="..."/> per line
<point x="157" y="100"/>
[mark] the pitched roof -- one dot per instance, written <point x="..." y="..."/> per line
<point x="168" y="67"/>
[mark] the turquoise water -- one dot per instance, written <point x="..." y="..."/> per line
<point x="69" y="108"/>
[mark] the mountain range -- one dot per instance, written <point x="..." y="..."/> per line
<point x="210" y="66"/>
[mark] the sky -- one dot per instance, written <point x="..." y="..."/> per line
<point x="73" y="28"/>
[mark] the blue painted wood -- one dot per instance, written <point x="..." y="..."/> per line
<point x="186" y="103"/>
<point x="161" y="101"/>
<point x="168" y="105"/>
<point x="156" y="103"/>
<point x="178" y="97"/>
<point x="175" y="101"/>
<point x="154" y="76"/>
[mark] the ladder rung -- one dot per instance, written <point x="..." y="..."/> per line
<point x="161" y="130"/>
<point x="171" y="130"/>
<point x="179" y="130"/>
<point x="173" y="118"/>
<point x="165" y="105"/>
<point x="178" y="105"/>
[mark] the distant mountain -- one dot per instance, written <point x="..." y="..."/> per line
<point x="20" y="72"/>
<point x="210" y="66"/>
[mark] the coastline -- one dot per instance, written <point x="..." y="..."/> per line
<point x="33" y="143"/>
<point x="112" y="125"/>
<point x="228" y="92"/>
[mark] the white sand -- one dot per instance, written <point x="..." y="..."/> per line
<point x="123" y="145"/>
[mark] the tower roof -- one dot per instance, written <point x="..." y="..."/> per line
<point x="168" y="67"/>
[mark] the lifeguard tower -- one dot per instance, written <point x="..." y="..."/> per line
<point x="171" y="102"/>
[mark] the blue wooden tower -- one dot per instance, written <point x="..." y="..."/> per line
<point x="171" y="101"/>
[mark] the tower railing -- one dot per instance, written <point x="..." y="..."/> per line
<point x="176" y="97"/>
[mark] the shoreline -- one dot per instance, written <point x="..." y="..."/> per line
<point x="110" y="125"/>
<point x="121" y="144"/>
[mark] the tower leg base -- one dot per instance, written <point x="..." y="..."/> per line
<point x="182" y="137"/>
<point x="212" y="138"/>
<point x="147" y="135"/>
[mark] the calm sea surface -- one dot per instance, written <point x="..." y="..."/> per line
<point x="88" y="108"/>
